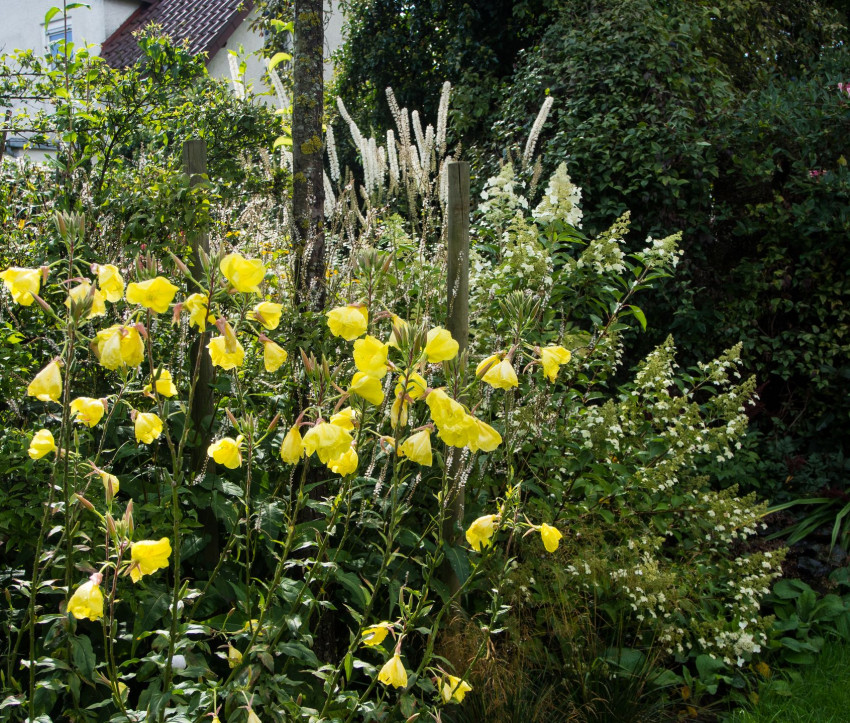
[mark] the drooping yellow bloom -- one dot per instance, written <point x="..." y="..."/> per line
<point x="164" y="384"/>
<point x="110" y="282"/>
<point x="292" y="447"/>
<point x="80" y="293"/>
<point x="552" y="357"/>
<point x="155" y="294"/>
<point x="368" y="387"/>
<point x="349" y="322"/>
<point x="47" y="384"/>
<point x="345" y="464"/>
<point x="147" y="426"/>
<point x="460" y="431"/>
<point x="480" y="531"/>
<point x="234" y="657"/>
<point x="253" y="717"/>
<point x="22" y="283"/>
<point x="551" y="537"/>
<point x="273" y="356"/>
<point x="244" y="275"/>
<point x="417" y="448"/>
<point x="87" y="410"/>
<point x="393" y="672"/>
<point x="370" y="356"/>
<point x="443" y="408"/>
<point x="345" y="418"/>
<point x="119" y="346"/>
<point x="454" y="688"/>
<point x="416" y="386"/>
<point x="498" y="373"/>
<point x="198" y="311"/>
<point x="148" y="556"/>
<point x="375" y="634"/>
<point x="41" y="444"/>
<point x="110" y="479"/>
<point x="487" y="364"/>
<point x="440" y="346"/>
<point x="268" y="314"/>
<point x="485" y="437"/>
<point x="227" y="451"/>
<point x="223" y="358"/>
<point x="398" y="413"/>
<point x="328" y="441"/>
<point x="87" y="602"/>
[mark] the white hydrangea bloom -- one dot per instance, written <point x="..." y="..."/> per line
<point x="560" y="201"/>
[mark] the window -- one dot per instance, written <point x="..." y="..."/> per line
<point x="55" y="35"/>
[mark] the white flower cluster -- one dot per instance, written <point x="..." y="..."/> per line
<point x="662" y="252"/>
<point x="560" y="201"/>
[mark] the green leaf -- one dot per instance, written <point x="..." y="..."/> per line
<point x="277" y="59"/>
<point x="50" y="14"/>
<point x="639" y="315"/>
<point x="83" y="655"/>
<point x="282" y="141"/>
<point x="459" y="561"/>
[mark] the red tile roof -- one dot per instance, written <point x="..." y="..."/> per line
<point x="206" y="24"/>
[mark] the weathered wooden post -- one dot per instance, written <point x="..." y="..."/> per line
<point x="3" y="132"/>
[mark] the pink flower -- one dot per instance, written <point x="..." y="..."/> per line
<point x="844" y="88"/>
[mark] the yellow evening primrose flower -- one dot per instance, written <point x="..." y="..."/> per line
<point x="552" y="357"/>
<point x="499" y="373"/>
<point x="459" y="431"/>
<point x="41" y="444"/>
<point x="148" y="556"/>
<point x="292" y="447"/>
<point x="198" y="311"/>
<point x="416" y="386"/>
<point x="417" y="448"/>
<point x="223" y="358"/>
<point x="345" y="464"/>
<point x="244" y="275"/>
<point x="454" y="688"/>
<point x="345" y="418"/>
<point x="485" y="437"/>
<point x="164" y="384"/>
<point x="398" y="413"/>
<point x="368" y="387"/>
<point x="370" y="356"/>
<point x="234" y="657"/>
<point x="274" y="356"/>
<point x="444" y="409"/>
<point x="47" y="384"/>
<point x="253" y="717"/>
<point x="349" y="322"/>
<point x="87" y="410"/>
<point x="439" y="345"/>
<point x="227" y="451"/>
<point x="480" y="531"/>
<point x="87" y="602"/>
<point x="375" y="634"/>
<point x="268" y="314"/>
<point x="393" y="672"/>
<point x="110" y="479"/>
<point x="81" y="292"/>
<point x="119" y="346"/>
<point x="147" y="427"/>
<point x="155" y="294"/>
<point x="22" y="284"/>
<point x="110" y="281"/>
<point x="551" y="537"/>
<point x="328" y="441"/>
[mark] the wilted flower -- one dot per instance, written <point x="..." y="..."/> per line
<point x="119" y="346"/>
<point x="551" y="537"/>
<point x="87" y="602"/>
<point x="148" y="556"/>
<point x="227" y="451"/>
<point x="147" y="427"/>
<point x="417" y="448"/>
<point x="398" y="413"/>
<point x="292" y="447"/>
<point x="268" y="314"/>
<point x="274" y="356"/>
<point x="453" y="688"/>
<point x="234" y="657"/>
<point x="345" y="464"/>
<point x="328" y="441"/>
<point x="41" y="444"/>
<point x="155" y="294"/>
<point x="349" y="322"/>
<point x="47" y="384"/>
<point x="393" y="672"/>
<point x="87" y="410"/>
<point x="440" y="346"/>
<point x="480" y="531"/>
<point x="110" y="281"/>
<point x="22" y="284"/>
<point x="370" y="356"/>
<point x="164" y="384"/>
<point x="244" y="275"/>
<point x="368" y="387"/>
<point x="551" y="357"/>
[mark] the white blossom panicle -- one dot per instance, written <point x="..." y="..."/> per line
<point x="420" y="137"/>
<point x="444" y="180"/>
<point x="404" y="129"/>
<point x="394" y="108"/>
<point x="236" y="76"/>
<point x="330" y="199"/>
<point x="391" y="152"/>
<point x="375" y="163"/>
<point x="333" y="159"/>
<point x="429" y="146"/>
<point x="266" y="160"/>
<point x="560" y="201"/>
<point x="528" y="154"/>
<point x="352" y="126"/>
<point x="442" y="118"/>
<point x="280" y="92"/>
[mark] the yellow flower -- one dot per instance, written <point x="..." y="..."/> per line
<point x="164" y="384"/>
<point x="453" y="688"/>
<point x="459" y="431"/>
<point x="273" y="356"/>
<point x="244" y="275"/>
<point x="393" y="672"/>
<point x="234" y="657"/>
<point x="148" y="556"/>
<point x="443" y="408"/>
<point x="147" y="426"/>
<point x="417" y="448"/>
<point x="398" y="413"/>
<point x="268" y="314"/>
<point x="499" y="373"/>
<point x="551" y="537"/>
<point x="292" y="447"/>
<point x="87" y="410"/>
<point x="349" y="322"/>
<point x="440" y="346"/>
<point x="484" y="438"/>
<point x="401" y="325"/>
<point x="198" y="311"/>
<point x="154" y="294"/>
<point x="119" y="346"/>
<point x="87" y="602"/>
<point x="227" y="451"/>
<point x="41" y="444"/>
<point x="345" y="464"/>
<point x="345" y="418"/>
<point x="223" y="358"/>
<point x="110" y="281"/>
<point x="375" y="634"/>
<point x="22" y="283"/>
<point x="480" y="531"/>
<point x="416" y="386"/>
<point x="368" y="387"/>
<point x="370" y="356"/>
<point x="327" y="440"/>
<point x="81" y="292"/>
<point x="552" y="357"/>
<point x="253" y="717"/>
<point x="47" y="385"/>
<point x="110" y="479"/>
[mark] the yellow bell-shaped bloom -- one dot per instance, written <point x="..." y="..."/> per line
<point x="368" y="387"/>
<point x="154" y="294"/>
<point x="244" y="275"/>
<point x="41" y="444"/>
<point x="292" y="447"/>
<point x="119" y="346"/>
<point x="393" y="672"/>
<point x="375" y="634"/>
<point x="444" y="409"/>
<point x="439" y="345"/>
<point x="460" y="431"/>
<point x="551" y="537"/>
<point x="454" y="688"/>
<point x="273" y="356"/>
<point x="110" y="480"/>
<point x="487" y="364"/>
<point x="223" y="358"/>
<point x="498" y="373"/>
<point x="480" y="532"/>
<point x="370" y="356"/>
<point x="234" y="657"/>
<point x="164" y="384"/>
<point x="345" y="464"/>
<point x="110" y="281"/>
<point x="81" y="292"/>
<point x="327" y="441"/>
<point x="399" y="413"/>
<point x="551" y="357"/>
<point x="47" y="385"/>
<point x="484" y="438"/>
<point x="227" y="451"/>
<point x="415" y="388"/>
<point x="253" y="717"/>
<point x="349" y="322"/>
<point x="87" y="410"/>
<point x="417" y="448"/>
<point x="196" y="304"/>
<point x="148" y="556"/>
<point x="22" y="284"/>
<point x="87" y="602"/>
<point x="268" y="314"/>
<point x="345" y="418"/>
<point x="147" y="426"/>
